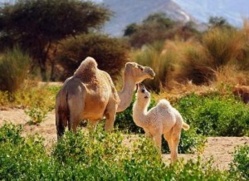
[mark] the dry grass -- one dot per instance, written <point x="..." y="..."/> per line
<point x="220" y="56"/>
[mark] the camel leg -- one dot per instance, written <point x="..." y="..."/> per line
<point x="110" y="115"/>
<point x="175" y="139"/>
<point x="74" y="122"/>
<point x="147" y="133"/>
<point x="75" y="115"/>
<point x="158" y="141"/>
<point x="167" y="137"/>
<point x="61" y="123"/>
<point x="109" y="123"/>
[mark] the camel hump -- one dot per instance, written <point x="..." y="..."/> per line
<point x="164" y="104"/>
<point x="87" y="68"/>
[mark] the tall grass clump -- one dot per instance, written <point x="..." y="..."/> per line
<point x="243" y="57"/>
<point x="154" y="57"/>
<point x="223" y="45"/>
<point x="192" y="64"/>
<point x="14" y="66"/>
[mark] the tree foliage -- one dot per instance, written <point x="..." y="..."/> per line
<point x="110" y="53"/>
<point x="36" y="24"/>
<point x="157" y="27"/>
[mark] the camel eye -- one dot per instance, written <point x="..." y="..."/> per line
<point x="143" y="91"/>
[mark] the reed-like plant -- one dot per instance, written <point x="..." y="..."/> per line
<point x="223" y="45"/>
<point x="14" y="67"/>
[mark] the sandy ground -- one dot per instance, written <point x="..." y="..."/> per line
<point x="220" y="149"/>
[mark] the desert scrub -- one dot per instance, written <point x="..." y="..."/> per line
<point x="95" y="156"/>
<point x="36" y="115"/>
<point x="31" y="95"/>
<point x="215" y="115"/>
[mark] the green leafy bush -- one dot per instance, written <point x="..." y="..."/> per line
<point x="95" y="156"/>
<point x="20" y="158"/>
<point x="14" y="67"/>
<point x="36" y="115"/>
<point x="214" y="115"/>
<point x="240" y="162"/>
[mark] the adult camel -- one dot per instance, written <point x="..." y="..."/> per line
<point x="90" y="95"/>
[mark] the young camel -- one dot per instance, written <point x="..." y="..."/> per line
<point x="90" y="95"/>
<point x="162" y="119"/>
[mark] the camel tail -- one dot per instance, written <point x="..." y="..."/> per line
<point x="185" y="126"/>
<point x="62" y="113"/>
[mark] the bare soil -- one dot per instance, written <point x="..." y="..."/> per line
<point x="220" y="149"/>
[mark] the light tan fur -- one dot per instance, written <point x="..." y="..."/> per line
<point x="91" y="95"/>
<point x="163" y="119"/>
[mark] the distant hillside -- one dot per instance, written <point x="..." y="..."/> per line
<point x="130" y="11"/>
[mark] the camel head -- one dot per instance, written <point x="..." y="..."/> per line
<point x="138" y="72"/>
<point x="142" y="95"/>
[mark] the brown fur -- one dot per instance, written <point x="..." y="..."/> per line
<point x="91" y="95"/>
<point x="242" y="92"/>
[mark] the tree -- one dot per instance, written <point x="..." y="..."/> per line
<point x="215" y="21"/>
<point x="111" y="54"/>
<point x="156" y="28"/>
<point x="37" y="24"/>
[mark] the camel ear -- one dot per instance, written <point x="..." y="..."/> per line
<point x="136" y="88"/>
<point x="130" y="64"/>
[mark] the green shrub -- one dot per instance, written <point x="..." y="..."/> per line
<point x="14" y="67"/>
<point x="240" y="162"/>
<point x="20" y="158"/>
<point x="110" y="53"/>
<point x="161" y="63"/>
<point x="36" y="115"/>
<point x="95" y="156"/>
<point x="214" y="115"/>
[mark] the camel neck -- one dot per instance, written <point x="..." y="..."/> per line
<point x="139" y="112"/>
<point x="126" y="93"/>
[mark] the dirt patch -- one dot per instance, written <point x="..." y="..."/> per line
<point x="220" y="149"/>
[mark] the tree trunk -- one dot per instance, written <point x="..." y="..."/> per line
<point x="43" y="72"/>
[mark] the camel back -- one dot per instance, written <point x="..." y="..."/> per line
<point x="87" y="70"/>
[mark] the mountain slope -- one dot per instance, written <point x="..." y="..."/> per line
<point x="130" y="11"/>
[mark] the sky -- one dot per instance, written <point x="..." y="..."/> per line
<point x="234" y="11"/>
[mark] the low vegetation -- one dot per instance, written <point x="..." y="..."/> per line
<point x="99" y="155"/>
